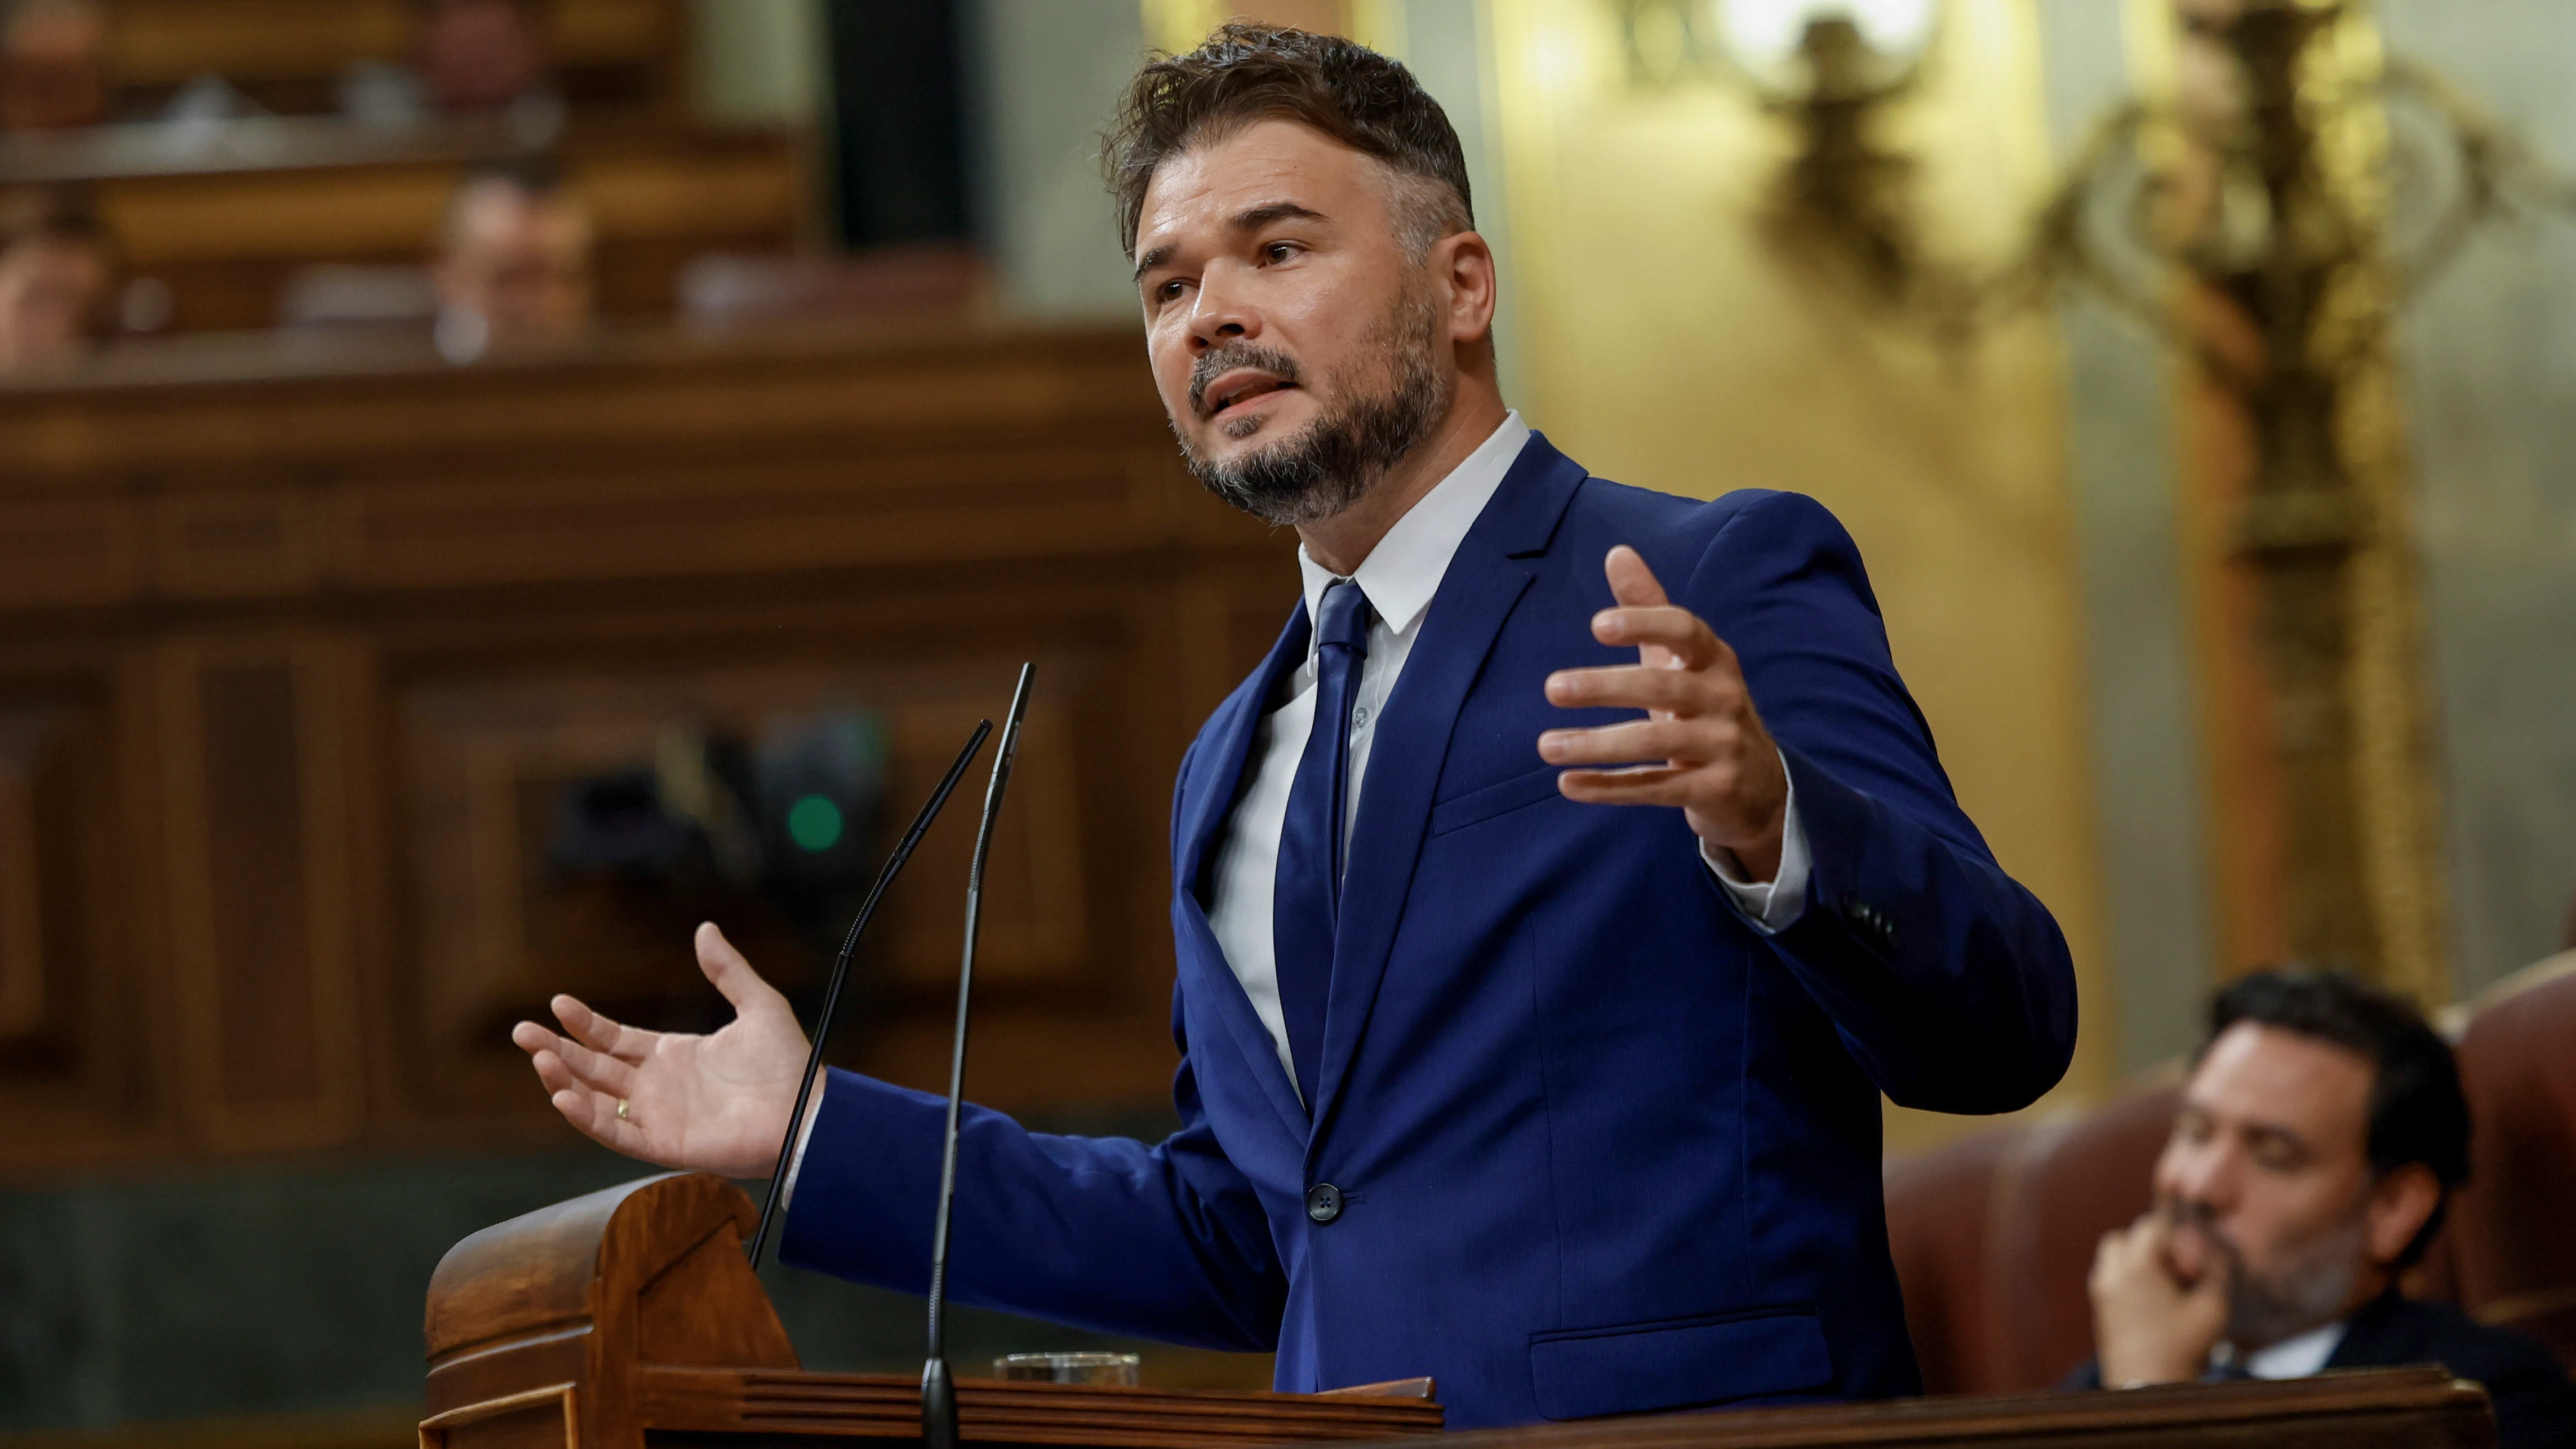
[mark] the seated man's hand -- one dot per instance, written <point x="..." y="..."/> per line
<point x="1708" y="751"/>
<point x="2149" y="1326"/>
<point x="717" y="1103"/>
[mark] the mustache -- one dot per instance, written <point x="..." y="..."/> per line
<point x="2201" y="1218"/>
<point x="1220" y="360"/>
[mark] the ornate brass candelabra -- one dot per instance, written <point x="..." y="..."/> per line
<point x="2269" y="218"/>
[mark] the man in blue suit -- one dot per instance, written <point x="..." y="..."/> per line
<point x="1574" y="1107"/>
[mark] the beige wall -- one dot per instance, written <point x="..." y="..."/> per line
<point x="1664" y="343"/>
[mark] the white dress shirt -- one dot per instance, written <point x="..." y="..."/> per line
<point x="1398" y="577"/>
<point x="2297" y="1357"/>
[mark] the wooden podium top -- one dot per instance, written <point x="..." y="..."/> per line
<point x="630" y="1317"/>
<point x="2417" y="1408"/>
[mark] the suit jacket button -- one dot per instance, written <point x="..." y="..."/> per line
<point x="1323" y="1202"/>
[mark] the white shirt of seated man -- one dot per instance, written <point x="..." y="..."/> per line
<point x="2270" y="1225"/>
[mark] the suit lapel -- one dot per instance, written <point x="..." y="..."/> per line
<point x="1218" y="781"/>
<point x="2377" y="1335"/>
<point x="1486" y="579"/>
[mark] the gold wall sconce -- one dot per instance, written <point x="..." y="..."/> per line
<point x="2267" y="219"/>
<point x="1831" y="71"/>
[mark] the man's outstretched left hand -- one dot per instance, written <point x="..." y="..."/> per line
<point x="1702" y="743"/>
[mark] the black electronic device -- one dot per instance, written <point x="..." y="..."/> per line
<point x="841" y="969"/>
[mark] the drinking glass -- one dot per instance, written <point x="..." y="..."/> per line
<point x="1112" y="1370"/>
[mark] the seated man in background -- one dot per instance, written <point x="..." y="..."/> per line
<point x="56" y="262"/>
<point x="514" y="262"/>
<point x="471" y="60"/>
<point x="53" y="65"/>
<point x="481" y="57"/>
<point x="2321" y="1134"/>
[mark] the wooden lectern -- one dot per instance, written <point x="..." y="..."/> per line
<point x="630" y="1317"/>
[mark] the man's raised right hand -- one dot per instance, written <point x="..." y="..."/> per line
<point x="717" y="1103"/>
<point x="2149" y="1325"/>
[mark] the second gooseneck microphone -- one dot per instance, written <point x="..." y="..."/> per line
<point x="841" y="974"/>
<point x="938" y="1388"/>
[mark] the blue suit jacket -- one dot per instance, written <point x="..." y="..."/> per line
<point x="1601" y="1146"/>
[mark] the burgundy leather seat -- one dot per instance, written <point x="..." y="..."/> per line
<point x="2513" y="1230"/>
<point x="1939" y="1205"/>
<point x="1994" y="1236"/>
<point x="2071" y="1183"/>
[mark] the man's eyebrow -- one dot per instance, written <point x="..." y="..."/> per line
<point x="1260" y="216"/>
<point x="1252" y="219"/>
<point x="2275" y="1132"/>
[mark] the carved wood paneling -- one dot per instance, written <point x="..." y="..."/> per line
<point x="54" y="769"/>
<point x="329" y="646"/>
<point x="77" y="1029"/>
<point x="164" y="42"/>
<point x="69" y="550"/>
<point x="486" y="761"/>
<point x="258" y="830"/>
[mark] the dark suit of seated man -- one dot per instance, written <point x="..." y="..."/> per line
<point x="2321" y="1134"/>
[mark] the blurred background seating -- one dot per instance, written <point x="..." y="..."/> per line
<point x="229" y="146"/>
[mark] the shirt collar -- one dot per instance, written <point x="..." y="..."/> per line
<point x="1400" y="575"/>
<point x="2297" y="1356"/>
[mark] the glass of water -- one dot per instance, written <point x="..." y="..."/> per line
<point x="1110" y="1370"/>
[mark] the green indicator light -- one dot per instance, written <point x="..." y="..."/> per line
<point x="814" y="823"/>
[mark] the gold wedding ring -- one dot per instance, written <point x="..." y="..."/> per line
<point x="621" y="1111"/>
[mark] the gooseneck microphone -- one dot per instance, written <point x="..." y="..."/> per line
<point x="841" y="974"/>
<point x="938" y="1390"/>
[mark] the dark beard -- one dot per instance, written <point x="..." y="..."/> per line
<point x="2308" y="1291"/>
<point x="1364" y="431"/>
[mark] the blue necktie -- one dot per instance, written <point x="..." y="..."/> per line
<point x="1306" y="902"/>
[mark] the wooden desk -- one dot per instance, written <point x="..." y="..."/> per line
<point x="2418" y="1408"/>
<point x="295" y="649"/>
<point x="287" y="53"/>
<point x="223" y="219"/>
<point x="628" y="1318"/>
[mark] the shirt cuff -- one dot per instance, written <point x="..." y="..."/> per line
<point x="796" y="1159"/>
<point x="1774" y="905"/>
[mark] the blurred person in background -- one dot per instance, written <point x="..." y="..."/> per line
<point x="56" y="264"/>
<point x="53" y="65"/>
<point x="2322" y="1133"/>
<point x="470" y="60"/>
<point x="514" y="263"/>
<point x="480" y="56"/>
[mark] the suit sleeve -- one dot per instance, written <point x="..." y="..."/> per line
<point x="1164" y="1242"/>
<point x="1949" y="982"/>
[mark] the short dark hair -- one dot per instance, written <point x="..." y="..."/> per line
<point x="1246" y="73"/>
<point x="2418" y="1113"/>
<point x="538" y="173"/>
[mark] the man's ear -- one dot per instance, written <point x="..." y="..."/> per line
<point x="2400" y="1204"/>
<point x="1465" y="264"/>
